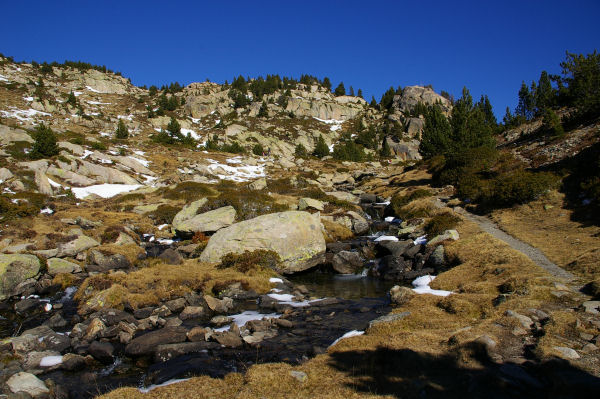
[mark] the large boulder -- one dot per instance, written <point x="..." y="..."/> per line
<point x="294" y="235"/>
<point x="28" y="383"/>
<point x="80" y="244"/>
<point x="16" y="269"/>
<point x="347" y="262"/>
<point x="58" y="265"/>
<point x="188" y="211"/>
<point x="206" y="222"/>
<point x="147" y="343"/>
<point x="104" y="261"/>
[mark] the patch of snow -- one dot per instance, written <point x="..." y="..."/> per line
<point x="104" y="190"/>
<point x="106" y="134"/>
<point x="165" y="241"/>
<point x="421" y="285"/>
<point x="141" y="161"/>
<point x="330" y="121"/>
<point x="335" y="128"/>
<point x="331" y="148"/>
<point x="149" y="179"/>
<point x="217" y="121"/>
<point x="389" y="219"/>
<point x="92" y="89"/>
<point x="47" y="211"/>
<point x="164" y="384"/>
<point x="353" y="333"/>
<point x="22" y="115"/>
<point x="77" y="93"/>
<point x="86" y="153"/>
<point x="49" y="361"/>
<point x="194" y="120"/>
<point x="275" y="280"/>
<point x="96" y="103"/>
<point x="140" y="153"/>
<point x="4" y="79"/>
<point x="234" y="160"/>
<point x="287" y="299"/>
<point x="422" y="240"/>
<point x="28" y="99"/>
<point x="69" y="292"/>
<point x="249" y="315"/>
<point x="128" y="117"/>
<point x="190" y="133"/>
<point x="162" y="226"/>
<point x="240" y="173"/>
<point x="53" y="183"/>
<point x="383" y="203"/>
<point x="386" y="238"/>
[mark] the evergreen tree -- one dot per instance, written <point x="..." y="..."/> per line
<point x="360" y="93"/>
<point x="552" y="124"/>
<point x="385" y="149"/>
<point x="387" y="99"/>
<point x="45" y="143"/>
<point x="508" y="118"/>
<point x="373" y="103"/>
<point x="544" y="96"/>
<point x="437" y="131"/>
<point x="470" y="127"/>
<point x="174" y="129"/>
<point x="581" y="78"/>
<point x="327" y="83"/>
<point x="340" y="90"/>
<point x="321" y="148"/>
<point x="300" y="151"/>
<point x="525" y="106"/>
<point x="152" y="90"/>
<point x="258" y="149"/>
<point x="352" y="91"/>
<point x="72" y="100"/>
<point x="121" y="132"/>
<point x="263" y="112"/>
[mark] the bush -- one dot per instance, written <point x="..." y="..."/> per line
<point x="551" y="123"/>
<point x="164" y="214"/>
<point x="440" y="223"/>
<point x="248" y="261"/>
<point x="189" y="191"/>
<point x="233" y="148"/>
<point x="258" y="149"/>
<point x="45" y="145"/>
<point x="349" y="151"/>
<point x="122" y="132"/>
<point x="300" y="151"/>
<point x="321" y="149"/>
<point x="10" y="210"/>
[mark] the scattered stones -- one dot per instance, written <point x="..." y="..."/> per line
<point x="171" y="257"/>
<point x="58" y="265"/>
<point x="27" y="382"/>
<point x="567" y="353"/>
<point x="147" y="343"/>
<point x="102" y="262"/>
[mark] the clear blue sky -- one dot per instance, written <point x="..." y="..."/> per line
<point x="488" y="46"/>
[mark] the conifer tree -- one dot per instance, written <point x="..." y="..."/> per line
<point x="327" y="83"/>
<point x="121" y="132"/>
<point x="45" y="143"/>
<point x="352" y="91"/>
<point x="373" y="103"/>
<point x="435" y="139"/>
<point x="263" y="112"/>
<point x="321" y="148"/>
<point x="340" y="90"/>
<point x="525" y="106"/>
<point x="544" y="96"/>
<point x="174" y="129"/>
<point x="360" y="93"/>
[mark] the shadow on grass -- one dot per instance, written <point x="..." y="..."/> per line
<point x="409" y="374"/>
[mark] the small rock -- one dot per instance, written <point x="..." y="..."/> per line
<point x="102" y="351"/>
<point x="299" y="375"/>
<point x="197" y="334"/>
<point x="219" y="321"/>
<point x="283" y="323"/>
<point x="487" y="341"/>
<point x="73" y="362"/>
<point x="93" y="330"/>
<point x="171" y="257"/>
<point x="401" y="295"/>
<point x="566" y="353"/>
<point x="588" y="348"/>
<point x="389" y="318"/>
<point x="591" y="307"/>
<point x="27" y="382"/>
<point x="191" y="312"/>
<point x="229" y="339"/>
<point x="219" y="305"/>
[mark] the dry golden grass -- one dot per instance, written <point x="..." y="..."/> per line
<point x="567" y="243"/>
<point x="335" y="231"/>
<point x="436" y="329"/>
<point x="149" y="285"/>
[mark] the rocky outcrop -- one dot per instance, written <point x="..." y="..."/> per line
<point x="210" y="221"/>
<point x="412" y="95"/>
<point x="15" y="270"/>
<point x="294" y="235"/>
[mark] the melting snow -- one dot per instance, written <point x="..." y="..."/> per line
<point x="191" y="133"/>
<point x="422" y="240"/>
<point x="162" y="226"/>
<point x="287" y="299"/>
<point x="49" y="361"/>
<point x="47" y="211"/>
<point x="164" y="384"/>
<point x="353" y="333"/>
<point x="242" y="318"/>
<point x="236" y="173"/>
<point x="53" y="183"/>
<point x="92" y="89"/>
<point x="86" y="153"/>
<point x="22" y="115"/>
<point x="3" y="79"/>
<point x="275" y="280"/>
<point x="421" y="285"/>
<point x="140" y="153"/>
<point x="142" y="161"/>
<point x="96" y="103"/>
<point x="386" y="238"/>
<point x="128" y="117"/>
<point x="29" y="99"/>
<point x="104" y="190"/>
<point x="77" y="93"/>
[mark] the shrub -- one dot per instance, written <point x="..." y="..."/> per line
<point x="233" y="148"/>
<point x="111" y="233"/>
<point x="440" y="223"/>
<point x="189" y="191"/>
<point x="551" y="123"/>
<point x="164" y="214"/>
<point x="10" y="210"/>
<point x="122" y="132"/>
<point x="321" y="149"/>
<point x="349" y="151"/>
<point x="248" y="261"/>
<point x="45" y="145"/>
<point x="300" y="151"/>
<point x="258" y="149"/>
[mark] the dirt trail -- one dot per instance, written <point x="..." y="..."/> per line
<point x="532" y="253"/>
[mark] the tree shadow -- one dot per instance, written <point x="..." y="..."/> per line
<point x="466" y="371"/>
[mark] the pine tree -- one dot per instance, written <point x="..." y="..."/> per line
<point x="263" y="112"/>
<point x="174" y="129"/>
<point x="525" y="106"/>
<point x="544" y="96"/>
<point x="387" y="99"/>
<point x="508" y="118"/>
<point x="360" y="93"/>
<point x="352" y="91"/>
<point x="327" y="83"/>
<point x="340" y="90"/>
<point x="321" y="148"/>
<point x="385" y="149"/>
<point x="72" y="100"/>
<point x="300" y="151"/>
<point x="435" y="139"/>
<point x="373" y="103"/>
<point x="45" y="143"/>
<point x="121" y="132"/>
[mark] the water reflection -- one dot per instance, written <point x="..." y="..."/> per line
<point x="347" y="286"/>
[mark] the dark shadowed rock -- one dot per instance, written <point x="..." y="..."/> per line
<point x="171" y="257"/>
<point x="147" y="343"/>
<point x="103" y="262"/>
<point x="102" y="351"/>
<point x="347" y="262"/>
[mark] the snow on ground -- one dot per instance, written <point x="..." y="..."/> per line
<point x="47" y="211"/>
<point x="191" y="133"/>
<point x="92" y="89"/>
<point x="77" y="93"/>
<point x="162" y="226"/>
<point x="53" y="183"/>
<point x="275" y="280"/>
<point x="242" y="318"/>
<point x="106" y="134"/>
<point x="149" y="179"/>
<point x="144" y="162"/>
<point x="240" y="173"/>
<point x="28" y="99"/>
<point x="164" y="384"/>
<point x="194" y="120"/>
<point x="104" y="190"/>
<point x="422" y="240"/>
<point x="49" y="361"/>
<point x="22" y="115"/>
<point x="353" y="333"/>
<point x="287" y="299"/>
<point x="128" y="117"/>
<point x="86" y="153"/>
<point x="4" y="79"/>
<point x="331" y="148"/>
<point x="386" y="238"/>
<point x="140" y="153"/>
<point x="96" y="103"/>
<point x="421" y="285"/>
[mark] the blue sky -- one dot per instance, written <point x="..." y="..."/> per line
<point x="488" y="46"/>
